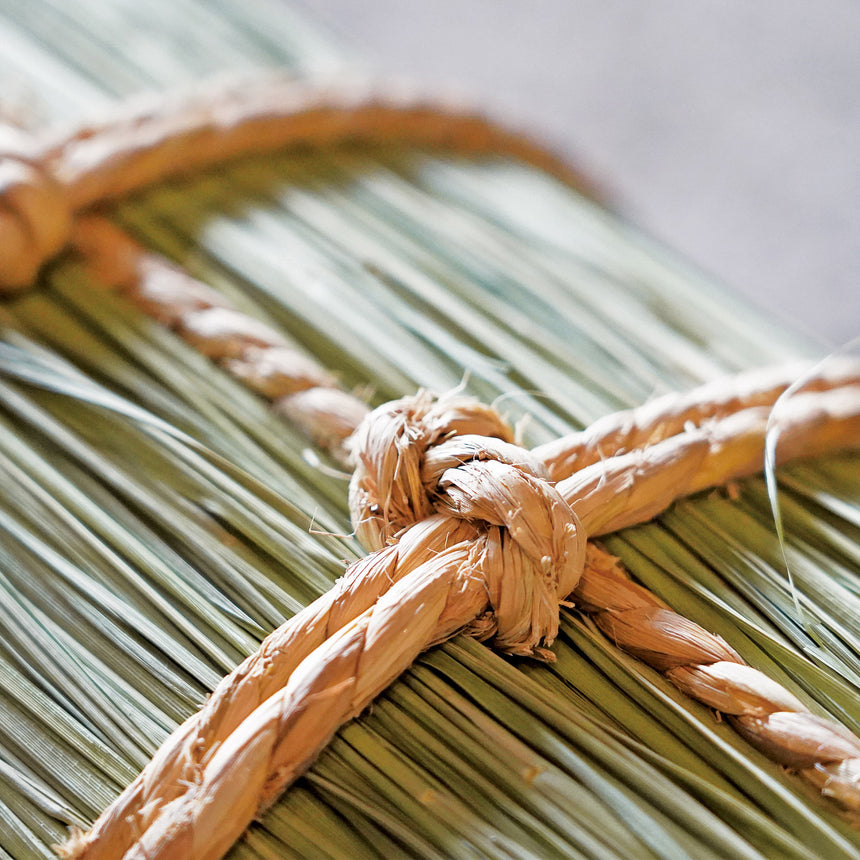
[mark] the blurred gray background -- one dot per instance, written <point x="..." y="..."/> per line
<point x="728" y="129"/>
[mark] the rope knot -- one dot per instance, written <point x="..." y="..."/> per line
<point x="454" y="457"/>
<point x="35" y="218"/>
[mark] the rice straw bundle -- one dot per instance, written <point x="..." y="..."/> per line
<point x="160" y="518"/>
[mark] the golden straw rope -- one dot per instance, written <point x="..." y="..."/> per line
<point x="468" y="531"/>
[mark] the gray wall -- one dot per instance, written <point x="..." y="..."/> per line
<point x="729" y="129"/>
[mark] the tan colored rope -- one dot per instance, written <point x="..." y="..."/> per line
<point x="704" y="667"/>
<point x="180" y="759"/>
<point x="247" y="348"/>
<point x="485" y="539"/>
<point x="634" y="487"/>
<point x="669" y="415"/>
<point x="46" y="184"/>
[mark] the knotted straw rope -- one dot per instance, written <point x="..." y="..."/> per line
<point x="468" y="531"/>
<point x="486" y="545"/>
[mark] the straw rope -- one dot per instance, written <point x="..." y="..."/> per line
<point x="254" y="353"/>
<point x="46" y="184"/>
<point x="669" y="415"/>
<point x="469" y="531"/>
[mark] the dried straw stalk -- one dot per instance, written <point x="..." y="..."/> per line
<point x="468" y="530"/>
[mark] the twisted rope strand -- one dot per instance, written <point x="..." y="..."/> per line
<point x="300" y="390"/>
<point x="633" y="488"/>
<point x="704" y="667"/>
<point x="282" y="737"/>
<point x="46" y="184"/>
<point x="172" y="137"/>
<point x="180" y="758"/>
<point x="671" y="414"/>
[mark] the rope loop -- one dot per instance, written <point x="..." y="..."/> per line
<point x="418" y="457"/>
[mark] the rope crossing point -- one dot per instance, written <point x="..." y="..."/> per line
<point x="419" y="457"/>
<point x="467" y="530"/>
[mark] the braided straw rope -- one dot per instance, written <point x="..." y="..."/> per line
<point x="467" y="530"/>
